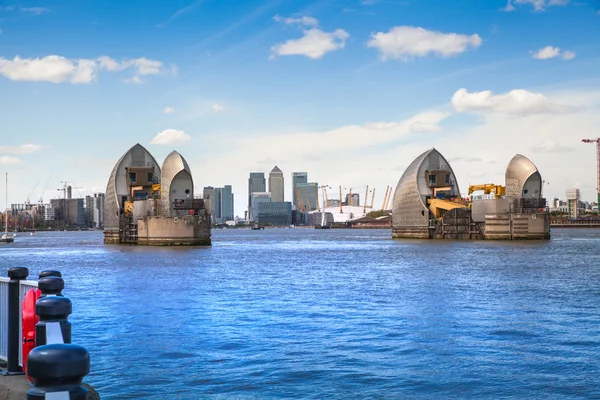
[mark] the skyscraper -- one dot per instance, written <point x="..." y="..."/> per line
<point x="220" y="201"/>
<point x="276" y="185"/>
<point x="256" y="183"/>
<point x="256" y="198"/>
<point x="297" y="177"/>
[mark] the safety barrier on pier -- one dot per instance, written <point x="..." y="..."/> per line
<point x="24" y="287"/>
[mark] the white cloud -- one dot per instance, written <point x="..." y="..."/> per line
<point x="34" y="10"/>
<point x="304" y="20"/>
<point x="217" y="108"/>
<point x="314" y="44"/>
<point x="550" y="146"/>
<point x="551" y="52"/>
<point x="136" y="79"/>
<point x="546" y="52"/>
<point x="28" y="148"/>
<point x="168" y="110"/>
<point x="517" y="102"/>
<point x="7" y="160"/>
<point x="49" y="69"/>
<point x="171" y="136"/>
<point x="58" y="69"/>
<point x="144" y="66"/>
<point x="405" y="42"/>
<point x="541" y="5"/>
<point x="424" y="122"/>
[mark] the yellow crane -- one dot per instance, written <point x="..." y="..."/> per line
<point x="307" y="199"/>
<point x="300" y="204"/>
<point x="386" y="197"/>
<point x="488" y="188"/>
<point x="324" y="189"/>
<point x="317" y="198"/>
<point x="389" y="199"/>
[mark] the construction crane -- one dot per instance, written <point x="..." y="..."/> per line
<point x="41" y="199"/>
<point x="597" y="141"/>
<point x="28" y="197"/>
<point x="488" y="188"/>
<point x="65" y="188"/>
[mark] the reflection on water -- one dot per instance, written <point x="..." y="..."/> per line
<point x="331" y="314"/>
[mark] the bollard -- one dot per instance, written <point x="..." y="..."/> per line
<point x="58" y="369"/>
<point x="54" y="326"/>
<point x="51" y="286"/>
<point x="16" y="275"/>
<point x="50" y="272"/>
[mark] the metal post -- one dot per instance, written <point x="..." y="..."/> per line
<point x="58" y="369"/>
<point x="54" y="326"/>
<point x="16" y="275"/>
<point x="51" y="286"/>
<point x="49" y="272"/>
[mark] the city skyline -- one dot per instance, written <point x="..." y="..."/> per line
<point x="349" y="92"/>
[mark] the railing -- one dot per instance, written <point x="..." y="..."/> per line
<point x="54" y="365"/>
<point x="25" y="286"/>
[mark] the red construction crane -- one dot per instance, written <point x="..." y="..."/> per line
<point x="597" y="141"/>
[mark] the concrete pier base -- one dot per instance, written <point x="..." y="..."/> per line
<point x="13" y="387"/>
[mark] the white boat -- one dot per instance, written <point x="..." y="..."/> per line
<point x="5" y="238"/>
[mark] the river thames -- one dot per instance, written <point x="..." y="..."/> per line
<point x="304" y="313"/>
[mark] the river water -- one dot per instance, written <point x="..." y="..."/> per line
<point x="303" y="313"/>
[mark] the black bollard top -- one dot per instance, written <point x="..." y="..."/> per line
<point x="54" y="306"/>
<point x="18" y="273"/>
<point x="58" y="361"/>
<point x="49" y="272"/>
<point x="51" y="285"/>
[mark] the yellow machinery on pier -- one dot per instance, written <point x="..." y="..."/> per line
<point x="488" y="188"/>
<point x="128" y="208"/>
<point x="438" y="207"/>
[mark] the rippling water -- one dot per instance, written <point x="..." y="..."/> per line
<point x="306" y="313"/>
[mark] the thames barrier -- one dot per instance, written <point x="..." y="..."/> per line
<point x="427" y="203"/>
<point x="149" y="205"/>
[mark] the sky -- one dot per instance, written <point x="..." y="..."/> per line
<point x="348" y="91"/>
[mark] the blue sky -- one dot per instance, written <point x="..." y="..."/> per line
<point x="349" y="91"/>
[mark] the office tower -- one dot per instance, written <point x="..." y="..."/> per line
<point x="255" y="199"/>
<point x="276" y="185"/>
<point x="256" y="183"/>
<point x="297" y="177"/>
<point x="98" y="210"/>
<point x="220" y="201"/>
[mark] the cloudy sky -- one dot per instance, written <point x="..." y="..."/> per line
<point x="349" y="91"/>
